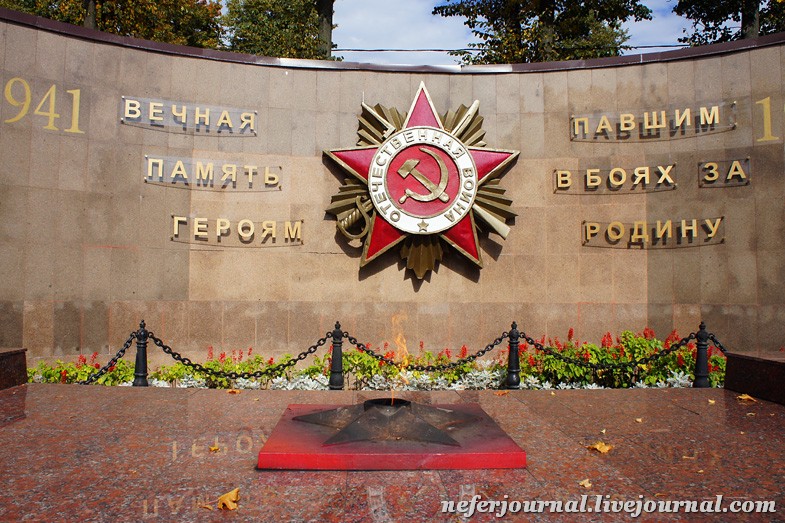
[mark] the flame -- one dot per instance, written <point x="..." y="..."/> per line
<point x="401" y="352"/>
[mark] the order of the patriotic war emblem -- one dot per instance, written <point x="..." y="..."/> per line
<point x="418" y="179"/>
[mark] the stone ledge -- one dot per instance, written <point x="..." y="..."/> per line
<point x="758" y="377"/>
<point x="13" y="367"/>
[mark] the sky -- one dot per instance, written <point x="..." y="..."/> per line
<point x="409" y="24"/>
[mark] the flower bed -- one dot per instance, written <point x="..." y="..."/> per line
<point x="363" y="372"/>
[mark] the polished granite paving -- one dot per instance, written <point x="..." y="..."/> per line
<point x="117" y="454"/>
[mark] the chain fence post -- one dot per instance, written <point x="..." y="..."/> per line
<point x="336" y="367"/>
<point x="140" y="367"/>
<point x="702" y="359"/>
<point x="513" y="360"/>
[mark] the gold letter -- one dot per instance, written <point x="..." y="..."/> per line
<point x="270" y="178"/>
<point x="664" y="230"/>
<point x="292" y="230"/>
<point x="655" y="123"/>
<point x="615" y="231"/>
<point x="639" y="232"/>
<point x="604" y="125"/>
<point x="224" y="119"/>
<point x="204" y="173"/>
<point x="590" y="230"/>
<point x="665" y="174"/>
<point x="683" y="117"/>
<point x="592" y="178"/>
<point x="712" y="227"/>
<point x="230" y="171"/>
<point x="200" y="228"/>
<point x="183" y="115"/>
<point x="736" y="170"/>
<point x="246" y="235"/>
<point x="205" y="116"/>
<point x="612" y="178"/>
<point x="176" y="221"/>
<point x="132" y="108"/>
<point x="626" y="122"/>
<point x="708" y="118"/>
<point x="158" y="162"/>
<point x="712" y="173"/>
<point x="693" y="228"/>
<point x="156" y="110"/>
<point x="641" y="174"/>
<point x="248" y="120"/>
<point x="222" y="226"/>
<point x="563" y="179"/>
<point x="268" y="229"/>
<point x="580" y="121"/>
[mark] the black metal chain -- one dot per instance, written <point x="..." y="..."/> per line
<point x="273" y="369"/>
<point x="427" y="368"/>
<point x="609" y="366"/>
<point x="111" y="363"/>
<point x="717" y="343"/>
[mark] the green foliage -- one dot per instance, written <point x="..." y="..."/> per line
<point x="725" y="21"/>
<point x="513" y="31"/>
<point x="361" y="368"/>
<point x="274" y="28"/>
<point x="194" y="23"/>
<point x="75" y="372"/>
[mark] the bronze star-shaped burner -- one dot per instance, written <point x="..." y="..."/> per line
<point x="386" y="419"/>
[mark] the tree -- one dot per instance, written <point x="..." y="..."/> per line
<point x="186" y="22"/>
<point x="539" y="31"/>
<point x="714" y="21"/>
<point x="287" y="29"/>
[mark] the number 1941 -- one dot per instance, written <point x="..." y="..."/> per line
<point x="18" y="93"/>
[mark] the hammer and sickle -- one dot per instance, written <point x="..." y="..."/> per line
<point x="436" y="191"/>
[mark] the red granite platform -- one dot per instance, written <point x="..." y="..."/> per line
<point x="481" y="444"/>
<point x="97" y="454"/>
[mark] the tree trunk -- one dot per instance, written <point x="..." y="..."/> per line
<point x="324" y="8"/>
<point x="750" y="19"/>
<point x="89" y="15"/>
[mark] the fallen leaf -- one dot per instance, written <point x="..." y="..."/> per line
<point x="688" y="457"/>
<point x="746" y="397"/>
<point x="229" y="500"/>
<point x="602" y="448"/>
<point x="750" y="414"/>
<point x="742" y="432"/>
<point x="206" y="506"/>
<point x="603" y="431"/>
<point x="256" y="399"/>
<point x="233" y="391"/>
<point x="553" y="393"/>
<point x="214" y="448"/>
<point x="638" y="420"/>
<point x="660" y="495"/>
<point x="585" y="483"/>
<point x="700" y="471"/>
<point x="502" y="392"/>
<point x="712" y="402"/>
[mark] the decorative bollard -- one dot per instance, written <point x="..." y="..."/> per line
<point x="336" y="367"/>
<point x="140" y="368"/>
<point x="513" y="361"/>
<point x="702" y="359"/>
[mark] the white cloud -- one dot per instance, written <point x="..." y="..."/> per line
<point x="409" y="24"/>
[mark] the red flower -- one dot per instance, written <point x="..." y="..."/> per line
<point x="93" y="357"/>
<point x="82" y="360"/>
<point x="250" y="350"/>
<point x="648" y="333"/>
<point x="210" y="353"/>
<point x="96" y="365"/>
<point x="465" y="351"/>
<point x="671" y="339"/>
<point x="63" y="376"/>
<point x="448" y="353"/>
<point x="270" y="361"/>
<point x="680" y="360"/>
<point x="112" y="368"/>
<point x="570" y="334"/>
<point x="607" y="340"/>
<point x="222" y="357"/>
<point x="531" y="360"/>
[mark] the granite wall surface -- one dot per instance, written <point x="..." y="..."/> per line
<point x="87" y="248"/>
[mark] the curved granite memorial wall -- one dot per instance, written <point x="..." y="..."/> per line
<point x="189" y="188"/>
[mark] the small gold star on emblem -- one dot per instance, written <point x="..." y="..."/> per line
<point x="423" y="225"/>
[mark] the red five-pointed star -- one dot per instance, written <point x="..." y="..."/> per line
<point x="418" y="172"/>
